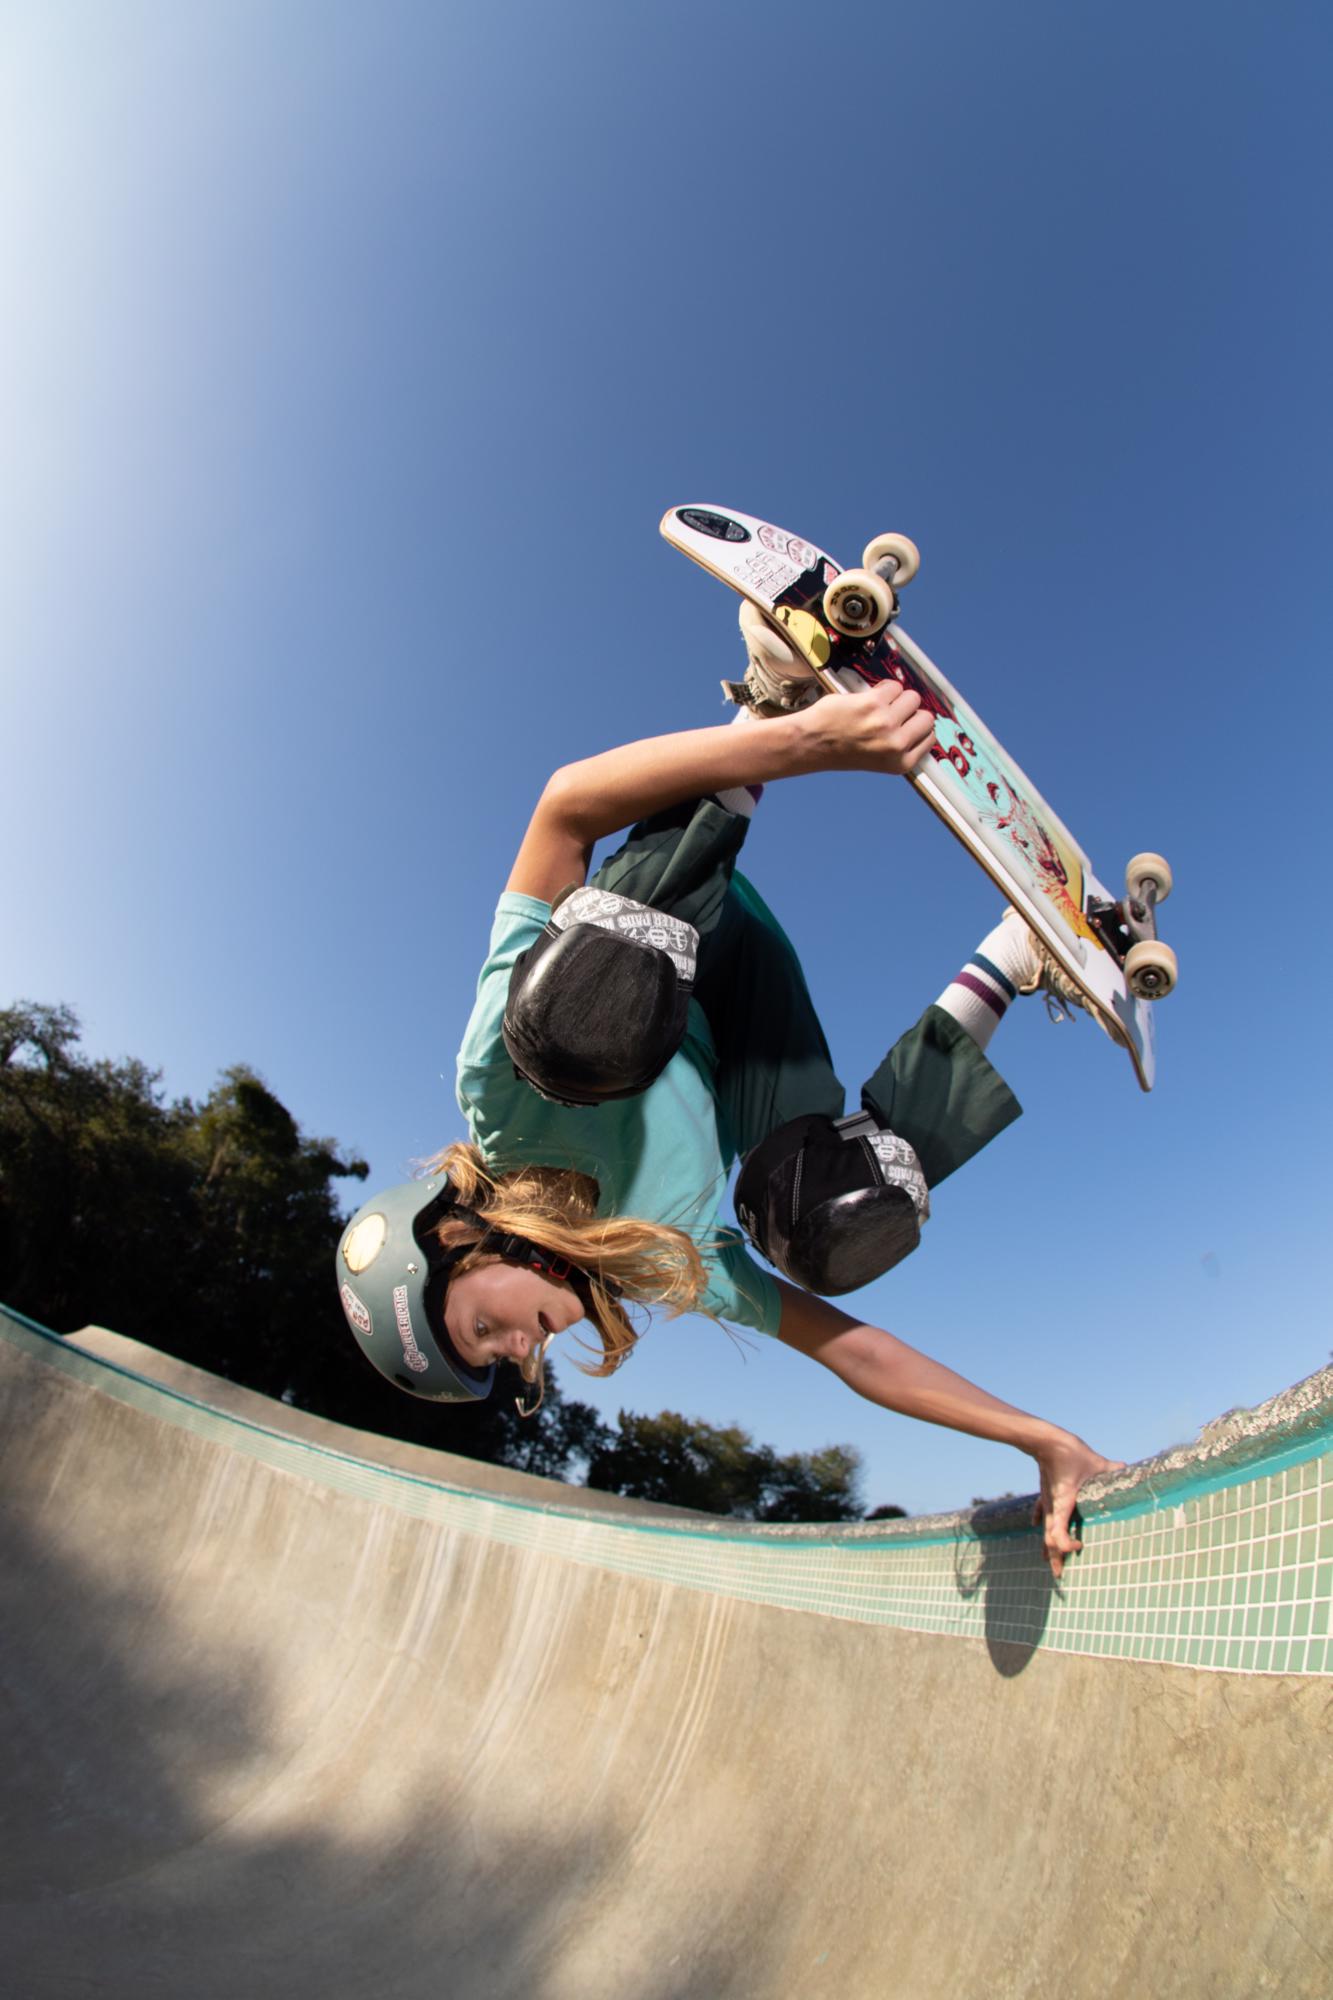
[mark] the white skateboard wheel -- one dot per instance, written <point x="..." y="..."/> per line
<point x="1148" y="868"/>
<point x="901" y="549"/>
<point x="858" y="604"/>
<point x="1150" y="969"/>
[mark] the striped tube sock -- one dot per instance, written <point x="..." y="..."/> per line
<point x="740" y="799"/>
<point x="978" y="997"/>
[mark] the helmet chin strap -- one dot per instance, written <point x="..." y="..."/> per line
<point x="533" y="1370"/>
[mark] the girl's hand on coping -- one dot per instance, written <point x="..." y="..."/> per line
<point x="882" y="728"/>
<point x="1065" y="1464"/>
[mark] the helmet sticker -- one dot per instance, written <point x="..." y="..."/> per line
<point x="412" y="1354"/>
<point x="363" y="1243"/>
<point x="357" y="1314"/>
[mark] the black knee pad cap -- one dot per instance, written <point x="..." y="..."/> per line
<point x="815" y="1204"/>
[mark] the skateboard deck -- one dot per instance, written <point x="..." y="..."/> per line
<point x="970" y="781"/>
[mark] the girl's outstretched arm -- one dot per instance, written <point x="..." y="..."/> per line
<point x="883" y="729"/>
<point x="885" y="1370"/>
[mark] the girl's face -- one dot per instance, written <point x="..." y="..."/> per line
<point x="503" y="1312"/>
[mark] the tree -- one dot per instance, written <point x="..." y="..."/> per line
<point x="93" y="1186"/>
<point x="690" y="1463"/>
<point x="813" y="1486"/>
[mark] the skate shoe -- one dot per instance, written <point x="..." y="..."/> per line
<point x="778" y="680"/>
<point x="1038" y="971"/>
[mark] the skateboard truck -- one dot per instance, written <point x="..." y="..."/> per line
<point x="1128" y="928"/>
<point x="861" y="602"/>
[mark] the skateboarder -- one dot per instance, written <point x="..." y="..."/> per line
<point x="634" y="1036"/>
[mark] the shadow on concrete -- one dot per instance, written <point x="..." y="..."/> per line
<point x="142" y="1850"/>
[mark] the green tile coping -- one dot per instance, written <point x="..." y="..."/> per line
<point x="1234" y="1456"/>
<point x="1235" y="1451"/>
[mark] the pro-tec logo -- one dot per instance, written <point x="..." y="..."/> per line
<point x="412" y="1354"/>
<point x="357" y="1315"/>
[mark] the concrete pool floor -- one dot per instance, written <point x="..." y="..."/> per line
<point x="293" y="1710"/>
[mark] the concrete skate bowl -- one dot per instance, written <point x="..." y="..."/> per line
<point x="290" y="1710"/>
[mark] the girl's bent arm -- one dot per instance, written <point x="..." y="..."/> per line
<point x="885" y="1370"/>
<point x="883" y="729"/>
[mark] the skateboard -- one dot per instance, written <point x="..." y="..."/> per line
<point x="844" y="622"/>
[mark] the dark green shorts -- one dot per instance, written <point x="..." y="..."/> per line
<point x="934" y="1088"/>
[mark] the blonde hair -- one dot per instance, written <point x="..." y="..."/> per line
<point x="650" y="1262"/>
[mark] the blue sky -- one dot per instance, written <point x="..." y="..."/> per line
<point x="350" y="357"/>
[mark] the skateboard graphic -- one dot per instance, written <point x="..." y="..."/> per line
<point x="844" y="623"/>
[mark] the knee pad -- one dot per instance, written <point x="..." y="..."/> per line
<point x="597" y="1006"/>
<point x="832" y="1202"/>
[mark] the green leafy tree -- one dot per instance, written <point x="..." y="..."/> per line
<point x="690" y="1463"/>
<point x="679" y="1460"/>
<point x="93" y="1182"/>
<point x="812" y="1486"/>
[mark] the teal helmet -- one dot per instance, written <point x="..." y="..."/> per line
<point x="393" y="1274"/>
<point x="392" y="1277"/>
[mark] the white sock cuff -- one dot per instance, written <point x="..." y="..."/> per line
<point x="741" y="799"/>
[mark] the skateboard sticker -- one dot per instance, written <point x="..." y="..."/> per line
<point x="769" y="573"/>
<point x="720" y="526"/>
<point x="801" y="553"/>
<point x="808" y="633"/>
